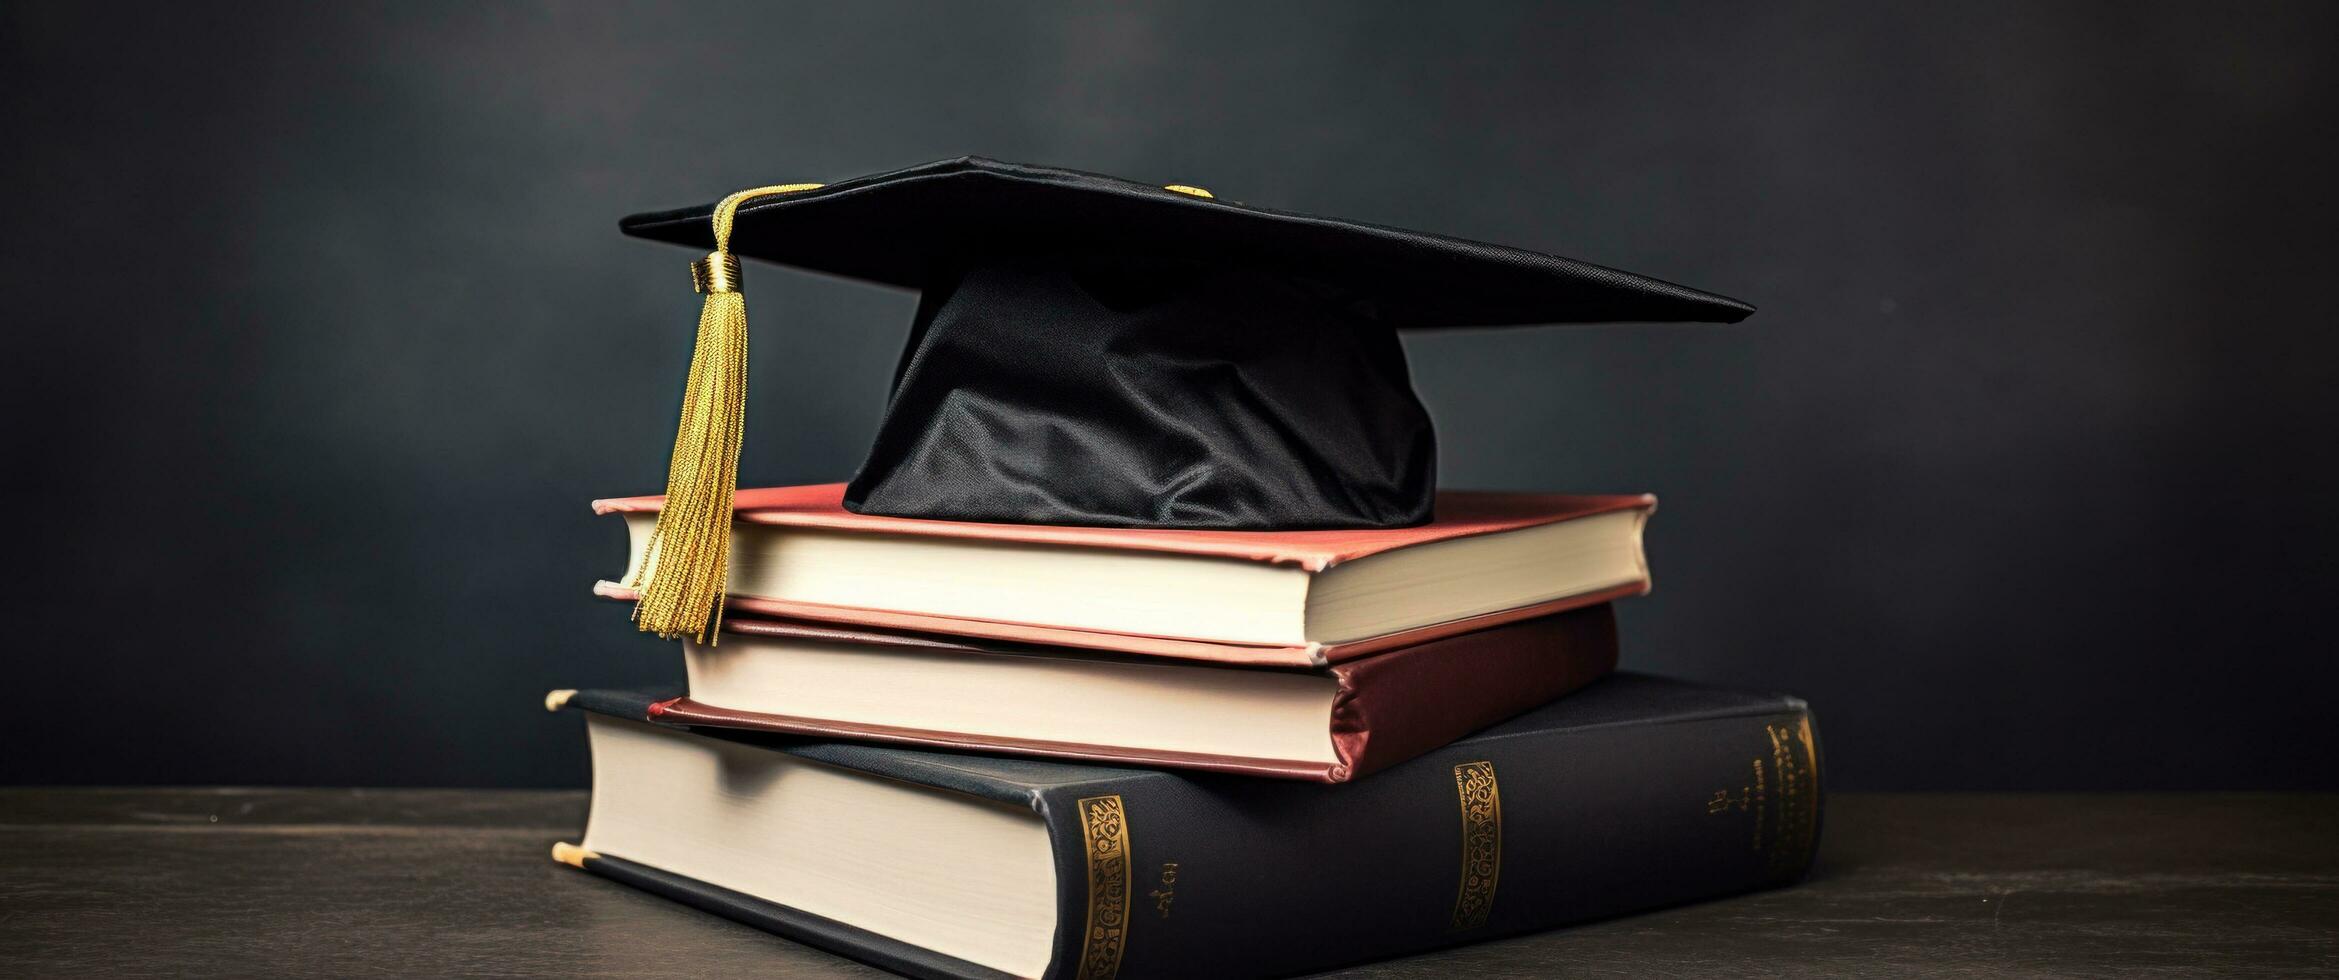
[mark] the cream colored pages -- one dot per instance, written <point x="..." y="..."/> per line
<point x="1252" y="714"/>
<point x="1167" y="594"/>
<point x="951" y="873"/>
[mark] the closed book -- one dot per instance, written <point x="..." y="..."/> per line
<point x="1328" y="724"/>
<point x="1294" y="598"/>
<point x="1632" y="794"/>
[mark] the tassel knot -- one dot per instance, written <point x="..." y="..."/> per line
<point x="717" y="273"/>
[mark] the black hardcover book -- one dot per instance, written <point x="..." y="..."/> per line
<point x="1635" y="793"/>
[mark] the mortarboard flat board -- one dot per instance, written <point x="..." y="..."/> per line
<point x="1094" y="351"/>
<point x="912" y="227"/>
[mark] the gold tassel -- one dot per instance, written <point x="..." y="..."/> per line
<point x="684" y="573"/>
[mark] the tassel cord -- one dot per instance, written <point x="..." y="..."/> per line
<point x="684" y="573"/>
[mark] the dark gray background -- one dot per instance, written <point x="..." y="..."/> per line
<point x="320" y="336"/>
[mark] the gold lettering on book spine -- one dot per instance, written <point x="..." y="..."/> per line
<point x="1780" y="798"/>
<point x="1481" y="803"/>
<point x="1105" y="829"/>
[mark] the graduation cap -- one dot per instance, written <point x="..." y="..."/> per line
<point x="1094" y="351"/>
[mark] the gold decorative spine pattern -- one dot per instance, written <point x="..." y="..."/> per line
<point x="1481" y="801"/>
<point x="1795" y="782"/>
<point x="1104" y="827"/>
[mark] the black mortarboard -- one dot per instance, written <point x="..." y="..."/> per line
<point x="1094" y="351"/>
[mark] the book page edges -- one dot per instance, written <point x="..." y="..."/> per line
<point x="1462" y="514"/>
<point x="1309" y="655"/>
<point x="685" y="711"/>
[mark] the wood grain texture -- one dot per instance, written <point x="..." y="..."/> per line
<point x="134" y="883"/>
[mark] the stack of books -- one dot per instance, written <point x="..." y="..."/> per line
<point x="987" y="750"/>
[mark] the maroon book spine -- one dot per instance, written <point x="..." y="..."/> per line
<point x="1399" y="704"/>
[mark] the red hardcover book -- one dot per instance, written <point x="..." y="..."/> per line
<point x="1328" y="724"/>
<point x="1291" y="598"/>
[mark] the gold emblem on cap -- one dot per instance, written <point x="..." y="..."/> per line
<point x="1188" y="189"/>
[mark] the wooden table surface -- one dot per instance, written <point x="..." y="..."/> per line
<point x="133" y="883"/>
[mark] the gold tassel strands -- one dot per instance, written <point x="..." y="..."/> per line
<point x="683" y="576"/>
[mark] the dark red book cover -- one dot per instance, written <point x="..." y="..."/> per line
<point x="1389" y="706"/>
